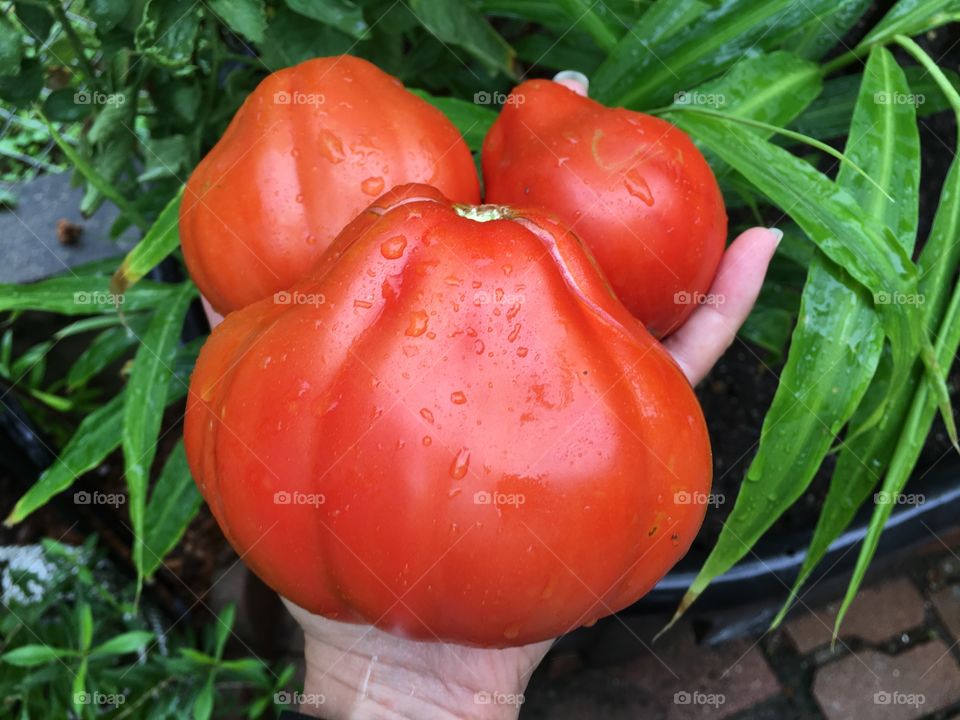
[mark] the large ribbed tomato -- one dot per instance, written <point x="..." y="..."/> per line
<point x="634" y="187"/>
<point x="310" y="148"/>
<point x="451" y="429"/>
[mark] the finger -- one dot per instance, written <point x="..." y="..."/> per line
<point x="213" y="317"/>
<point x="573" y="80"/>
<point x="713" y="325"/>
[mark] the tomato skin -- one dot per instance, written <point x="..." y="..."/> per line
<point x="263" y="205"/>
<point x="498" y="443"/>
<point x="634" y="187"/>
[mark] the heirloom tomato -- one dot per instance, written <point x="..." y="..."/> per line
<point x="450" y="429"/>
<point x="309" y="148"/>
<point x="633" y="186"/>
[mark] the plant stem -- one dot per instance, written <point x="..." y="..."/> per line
<point x="92" y="79"/>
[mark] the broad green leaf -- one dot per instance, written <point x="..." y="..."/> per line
<point x="583" y="15"/>
<point x="662" y="20"/>
<point x="83" y="295"/>
<point x="36" y="19"/>
<point x="107" y="13"/>
<point x="168" y="31"/>
<point x="167" y="156"/>
<point x="343" y="15"/>
<point x="292" y="38"/>
<point x="824" y="380"/>
<point x="912" y="17"/>
<point x="11" y="46"/>
<point x="63" y="106"/>
<point x="655" y="71"/>
<point x="122" y="644"/>
<point x="245" y="17"/>
<point x="457" y="23"/>
<point x="829" y="216"/>
<point x="144" y="400"/>
<point x="570" y="51"/>
<point x="174" y="502"/>
<point x="830" y="114"/>
<point x="772" y="88"/>
<point x="160" y="240"/>
<point x="818" y="35"/>
<point x="106" y="348"/>
<point x="472" y="120"/>
<point x="34" y="655"/>
<point x="22" y="88"/>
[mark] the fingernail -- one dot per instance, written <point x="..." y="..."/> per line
<point x="777" y="235"/>
<point x="576" y="81"/>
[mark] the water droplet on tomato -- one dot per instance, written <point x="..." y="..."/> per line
<point x="479" y="347"/>
<point x="372" y="185"/>
<point x="418" y="323"/>
<point x="522" y="351"/>
<point x="392" y="248"/>
<point x="299" y="198"/>
<point x="458" y="398"/>
<point x="515" y="333"/>
<point x="638" y="187"/>
<point x="507" y="269"/>
<point x="311" y="239"/>
<point x="331" y="147"/>
<point x="453" y="493"/>
<point x="511" y="632"/>
<point x="428" y="416"/>
<point x="460" y="464"/>
<point x="427" y="439"/>
<point x="358" y="303"/>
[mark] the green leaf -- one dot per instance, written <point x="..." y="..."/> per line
<point x="22" y="88"/>
<point x="583" y="14"/>
<point x="223" y="628"/>
<point x="830" y="114"/>
<point x="245" y="17"/>
<point x="174" y="502"/>
<point x="663" y="20"/>
<point x="457" y="23"/>
<point x="107" y="14"/>
<point x="344" y="15"/>
<point x="568" y="52"/>
<point x="912" y="17"/>
<point x="11" y="48"/>
<point x="85" y="621"/>
<point x="168" y="31"/>
<point x="814" y="38"/>
<point x="828" y="215"/>
<point x="167" y="156"/>
<point x="81" y="296"/>
<point x="144" y="400"/>
<point x="292" y="38"/>
<point x="203" y="704"/>
<point x="122" y="644"/>
<point x="823" y="380"/>
<point x="36" y="19"/>
<point x="62" y="106"/>
<point x="160" y="240"/>
<point x="472" y="120"/>
<point x="653" y="71"/>
<point x="106" y="348"/>
<point x="34" y="655"/>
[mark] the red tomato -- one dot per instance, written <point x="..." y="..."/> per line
<point x="634" y="187"/>
<point x="451" y="430"/>
<point x="310" y="148"/>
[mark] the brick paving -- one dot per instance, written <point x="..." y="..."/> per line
<point x="897" y="658"/>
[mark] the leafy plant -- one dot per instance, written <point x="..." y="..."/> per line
<point x="74" y="644"/>
<point x="134" y="94"/>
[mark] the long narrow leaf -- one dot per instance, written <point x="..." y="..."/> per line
<point x="173" y="503"/>
<point x="144" y="401"/>
<point x="160" y="240"/>
<point x="84" y="295"/>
